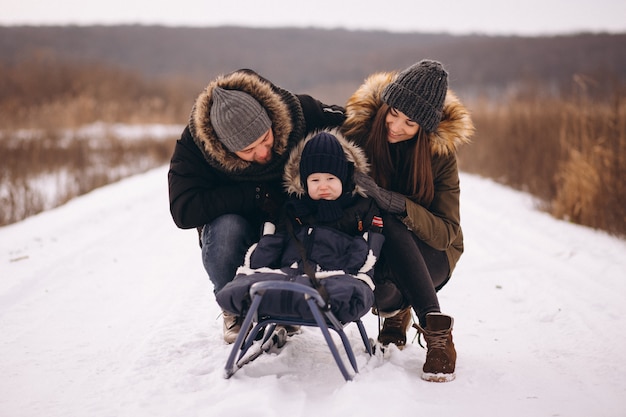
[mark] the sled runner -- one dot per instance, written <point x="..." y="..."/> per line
<point x="323" y="318"/>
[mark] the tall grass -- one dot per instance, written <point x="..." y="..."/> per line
<point x="44" y="91"/>
<point x="568" y="149"/>
<point x="566" y="145"/>
<point x="44" y="169"/>
<point x="46" y="161"/>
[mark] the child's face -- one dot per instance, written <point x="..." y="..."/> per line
<point x="324" y="186"/>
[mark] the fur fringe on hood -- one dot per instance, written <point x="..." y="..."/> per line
<point x="354" y="154"/>
<point x="456" y="126"/>
<point x="279" y="104"/>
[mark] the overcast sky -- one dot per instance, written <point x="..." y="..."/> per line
<point x="500" y="17"/>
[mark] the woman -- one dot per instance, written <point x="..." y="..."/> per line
<point x="410" y="125"/>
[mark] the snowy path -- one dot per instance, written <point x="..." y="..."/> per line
<point x="105" y="310"/>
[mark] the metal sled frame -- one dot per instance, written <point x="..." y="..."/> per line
<point x="324" y="319"/>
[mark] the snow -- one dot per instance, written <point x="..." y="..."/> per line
<point x="105" y="310"/>
<point x="97" y="131"/>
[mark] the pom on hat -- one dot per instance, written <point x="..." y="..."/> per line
<point x="323" y="153"/>
<point x="238" y="119"/>
<point x="419" y="92"/>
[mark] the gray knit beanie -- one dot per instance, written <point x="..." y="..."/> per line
<point x="238" y="119"/>
<point x="419" y="92"/>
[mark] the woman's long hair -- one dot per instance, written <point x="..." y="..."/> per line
<point x="419" y="185"/>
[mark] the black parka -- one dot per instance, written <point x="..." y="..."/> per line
<point x="348" y="245"/>
<point x="342" y="253"/>
<point x="206" y="180"/>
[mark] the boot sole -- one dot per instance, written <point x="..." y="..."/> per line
<point x="441" y="377"/>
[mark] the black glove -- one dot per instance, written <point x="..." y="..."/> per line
<point x="269" y="199"/>
<point x="389" y="201"/>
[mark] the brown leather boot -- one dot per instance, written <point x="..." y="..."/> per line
<point x="395" y="328"/>
<point x="441" y="355"/>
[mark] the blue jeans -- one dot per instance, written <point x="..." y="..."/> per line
<point x="225" y="242"/>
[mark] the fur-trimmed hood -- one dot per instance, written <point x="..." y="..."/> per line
<point x="455" y="128"/>
<point x="354" y="154"/>
<point x="283" y="109"/>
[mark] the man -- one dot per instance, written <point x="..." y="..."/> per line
<point x="225" y="176"/>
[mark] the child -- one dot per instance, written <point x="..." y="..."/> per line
<point x="328" y="235"/>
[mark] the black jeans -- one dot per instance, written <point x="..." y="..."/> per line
<point x="417" y="270"/>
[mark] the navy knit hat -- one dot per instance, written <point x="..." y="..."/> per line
<point x="238" y="119"/>
<point x="323" y="153"/>
<point x="419" y="92"/>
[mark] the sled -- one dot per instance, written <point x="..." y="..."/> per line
<point x="322" y="318"/>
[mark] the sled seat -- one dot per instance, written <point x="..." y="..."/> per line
<point x="323" y="318"/>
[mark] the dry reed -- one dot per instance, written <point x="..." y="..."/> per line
<point x="568" y="150"/>
<point x="566" y="146"/>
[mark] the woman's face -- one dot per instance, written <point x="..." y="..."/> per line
<point x="399" y="126"/>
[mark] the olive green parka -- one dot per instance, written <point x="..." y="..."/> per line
<point x="439" y="224"/>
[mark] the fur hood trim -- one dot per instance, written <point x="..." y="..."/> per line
<point x="456" y="126"/>
<point x="353" y="152"/>
<point x="279" y="104"/>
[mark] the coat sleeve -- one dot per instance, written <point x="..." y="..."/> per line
<point x="268" y="251"/>
<point x="373" y="219"/>
<point x="375" y="240"/>
<point x="438" y="225"/>
<point x="197" y="194"/>
<point x="318" y="115"/>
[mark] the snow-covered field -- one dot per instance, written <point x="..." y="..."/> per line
<point x="89" y="160"/>
<point x="105" y="310"/>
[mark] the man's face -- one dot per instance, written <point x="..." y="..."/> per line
<point x="259" y="151"/>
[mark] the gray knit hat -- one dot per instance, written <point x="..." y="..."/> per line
<point x="419" y="92"/>
<point x="238" y="119"/>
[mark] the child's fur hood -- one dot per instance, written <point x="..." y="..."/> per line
<point x="455" y="128"/>
<point x="354" y="154"/>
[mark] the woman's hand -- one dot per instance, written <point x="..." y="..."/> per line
<point x="389" y="201"/>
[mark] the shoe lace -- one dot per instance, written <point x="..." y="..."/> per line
<point x="234" y="322"/>
<point x="395" y="322"/>
<point x="232" y="325"/>
<point x="435" y="339"/>
<point x="418" y="335"/>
